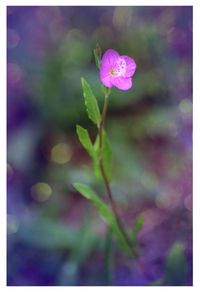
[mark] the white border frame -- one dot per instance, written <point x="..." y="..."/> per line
<point x="196" y="130"/>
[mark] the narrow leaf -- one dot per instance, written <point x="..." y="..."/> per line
<point x="91" y="103"/>
<point x="85" y="140"/>
<point x="86" y="191"/>
<point x="105" y="213"/>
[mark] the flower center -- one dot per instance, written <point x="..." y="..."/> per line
<point x="112" y="72"/>
<point x="119" y="68"/>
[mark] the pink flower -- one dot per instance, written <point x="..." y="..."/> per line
<point x="117" y="70"/>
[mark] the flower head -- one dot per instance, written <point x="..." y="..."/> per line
<point x="117" y="70"/>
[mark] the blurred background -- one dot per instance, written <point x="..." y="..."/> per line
<point x="55" y="236"/>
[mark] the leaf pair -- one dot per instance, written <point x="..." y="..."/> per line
<point x="105" y="153"/>
<point x="93" y="150"/>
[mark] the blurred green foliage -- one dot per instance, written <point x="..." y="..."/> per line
<point x="54" y="236"/>
<point x="176" y="266"/>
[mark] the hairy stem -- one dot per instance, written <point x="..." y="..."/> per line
<point x="106" y="181"/>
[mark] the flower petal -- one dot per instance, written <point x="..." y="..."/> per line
<point x="122" y="83"/>
<point x="130" y="66"/>
<point x="109" y="58"/>
<point x="105" y="76"/>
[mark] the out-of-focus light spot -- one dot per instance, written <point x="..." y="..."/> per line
<point x="74" y="34"/>
<point x="163" y="201"/>
<point x="188" y="202"/>
<point x="185" y="106"/>
<point x="14" y="73"/>
<point x="149" y="180"/>
<point x="122" y="16"/>
<point x="169" y="198"/>
<point x="61" y="153"/>
<point x="13" y="38"/>
<point x="70" y="269"/>
<point x="12" y="224"/>
<point x="75" y="49"/>
<point x="152" y="217"/>
<point x="41" y="191"/>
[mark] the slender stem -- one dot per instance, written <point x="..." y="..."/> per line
<point x="103" y="116"/>
<point x="114" y="207"/>
<point x="106" y="182"/>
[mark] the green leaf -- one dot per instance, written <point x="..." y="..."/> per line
<point x="105" y="213"/>
<point x="93" y="151"/>
<point x="106" y="155"/>
<point x="91" y="103"/>
<point x="96" y="167"/>
<point x="85" y="140"/>
<point x="96" y="159"/>
<point x="176" y="266"/>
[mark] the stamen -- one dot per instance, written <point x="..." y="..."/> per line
<point x="112" y="72"/>
<point x="119" y="68"/>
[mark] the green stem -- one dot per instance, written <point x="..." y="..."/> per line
<point x="103" y="116"/>
<point x="106" y="181"/>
